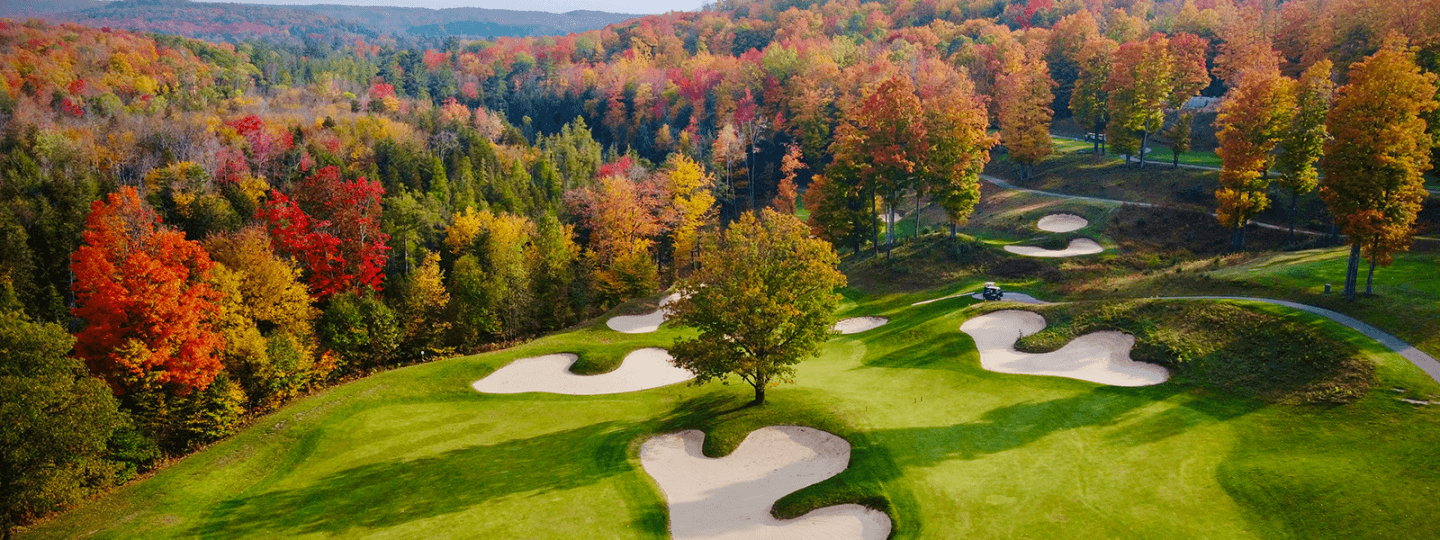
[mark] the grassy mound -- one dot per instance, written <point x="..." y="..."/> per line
<point x="1221" y="345"/>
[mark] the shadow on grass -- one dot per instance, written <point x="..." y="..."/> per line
<point x="394" y="492"/>
<point x="1014" y="426"/>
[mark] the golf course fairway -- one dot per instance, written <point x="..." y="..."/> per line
<point x="944" y="447"/>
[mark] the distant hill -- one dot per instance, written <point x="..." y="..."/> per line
<point x="470" y="22"/>
<point x="291" y="24"/>
<point x="24" y="9"/>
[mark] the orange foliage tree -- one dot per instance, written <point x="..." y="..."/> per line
<point x="1373" y="166"/>
<point x="145" y="294"/>
<point x="1253" y="118"/>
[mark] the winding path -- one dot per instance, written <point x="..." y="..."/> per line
<point x="1007" y="185"/>
<point x="1420" y="358"/>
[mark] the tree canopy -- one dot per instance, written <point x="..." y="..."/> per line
<point x="763" y="300"/>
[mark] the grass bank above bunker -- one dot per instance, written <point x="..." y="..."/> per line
<point x="1244" y="350"/>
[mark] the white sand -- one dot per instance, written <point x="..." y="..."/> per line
<point x="641" y="370"/>
<point x="730" y="498"/>
<point x="1101" y="357"/>
<point x="641" y="324"/>
<point x="855" y="325"/>
<point x="1061" y="223"/>
<point x="1014" y="297"/>
<point x="1077" y="247"/>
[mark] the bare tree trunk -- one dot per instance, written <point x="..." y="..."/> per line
<point x="760" y="385"/>
<point x="1294" y="200"/>
<point x="750" y="170"/>
<point x="1176" y="153"/>
<point x="1351" y="270"/>
<point x="952" y="229"/>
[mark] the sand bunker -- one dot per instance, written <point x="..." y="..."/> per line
<point x="730" y="498"/>
<point x="640" y="324"/>
<point x="855" y="325"/>
<point x="1077" y="247"/>
<point x="641" y="370"/>
<point x="1061" y="223"/>
<point x="1101" y="357"/>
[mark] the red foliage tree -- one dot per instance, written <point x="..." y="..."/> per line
<point x="332" y="227"/>
<point x="146" y="298"/>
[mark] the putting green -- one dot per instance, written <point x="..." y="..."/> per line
<point x="948" y="449"/>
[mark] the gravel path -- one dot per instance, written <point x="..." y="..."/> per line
<point x="1420" y="358"/>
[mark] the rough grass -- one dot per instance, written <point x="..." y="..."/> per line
<point x="1244" y="351"/>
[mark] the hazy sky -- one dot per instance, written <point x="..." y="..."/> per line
<point x="553" y="6"/>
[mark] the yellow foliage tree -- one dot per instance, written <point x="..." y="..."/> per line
<point x="689" y="187"/>
<point x="267" y="318"/>
<point x="462" y="231"/>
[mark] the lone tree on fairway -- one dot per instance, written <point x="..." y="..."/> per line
<point x="1373" y="166"/>
<point x="763" y="300"/>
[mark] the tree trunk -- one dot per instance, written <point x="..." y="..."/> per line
<point x="1370" y="277"/>
<point x="917" y="213"/>
<point x="1144" y="141"/>
<point x="1176" y="153"/>
<point x="760" y="385"/>
<point x="952" y="230"/>
<point x="1294" y="200"/>
<point x="874" y="222"/>
<point x="1099" y="150"/>
<point x="889" y="227"/>
<point x="750" y="172"/>
<point x="1241" y="236"/>
<point x="1351" y="270"/>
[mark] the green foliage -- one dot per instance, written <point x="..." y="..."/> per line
<point x="1221" y="345"/>
<point x="131" y="451"/>
<point x="763" y="300"/>
<point x="54" y="422"/>
<point x="360" y="329"/>
<point x="473" y="302"/>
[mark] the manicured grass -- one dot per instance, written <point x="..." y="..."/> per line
<point x="948" y="449"/>
<point x="1162" y="154"/>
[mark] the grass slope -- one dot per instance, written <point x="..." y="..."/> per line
<point x="948" y="449"/>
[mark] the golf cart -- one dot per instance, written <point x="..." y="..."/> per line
<point x="992" y="292"/>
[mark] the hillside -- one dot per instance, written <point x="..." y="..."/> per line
<point x="234" y="22"/>
<point x="468" y="22"/>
